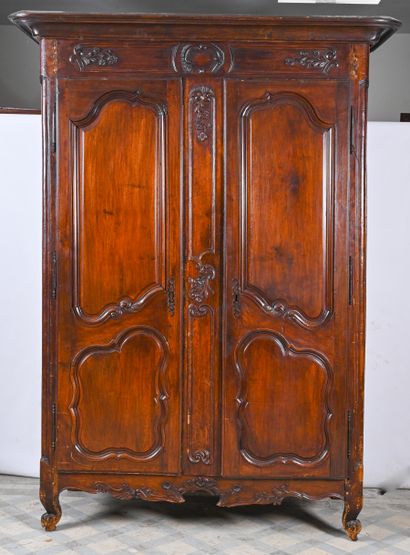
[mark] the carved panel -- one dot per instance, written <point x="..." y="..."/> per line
<point x="287" y="168"/>
<point x="296" y="388"/>
<point x="125" y="381"/>
<point x="270" y="496"/>
<point x="229" y="495"/>
<point x="202" y="286"/>
<point x="118" y="196"/>
<point x="84" y="56"/>
<point x="200" y="393"/>
<point x="201" y="170"/>
<point x="323" y="60"/>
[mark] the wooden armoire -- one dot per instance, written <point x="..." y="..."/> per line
<point x="204" y="256"/>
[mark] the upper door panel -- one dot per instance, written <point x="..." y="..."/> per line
<point x="287" y="180"/>
<point x="119" y="190"/>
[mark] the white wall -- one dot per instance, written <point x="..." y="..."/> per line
<point x="19" y="69"/>
<point x="387" y="409"/>
<point x="387" y="446"/>
<point x="389" y="91"/>
<point x="20" y="293"/>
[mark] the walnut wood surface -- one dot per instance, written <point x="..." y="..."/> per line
<point x="204" y="256"/>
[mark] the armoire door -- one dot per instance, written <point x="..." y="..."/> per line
<point x="118" y="259"/>
<point x="286" y="279"/>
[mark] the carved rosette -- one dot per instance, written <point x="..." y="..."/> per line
<point x="84" y="57"/>
<point x="200" y="288"/>
<point x="324" y="60"/>
<point x="201" y="456"/>
<point x="202" y="105"/>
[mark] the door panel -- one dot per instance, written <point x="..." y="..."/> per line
<point x="118" y="309"/>
<point x="284" y="344"/>
<point x="276" y="131"/>
<point x="121" y="140"/>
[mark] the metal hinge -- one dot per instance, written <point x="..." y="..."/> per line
<point x="350" y="280"/>
<point x="171" y="296"/>
<point x="53" y="130"/>
<point x="349" y="433"/>
<point x="352" y="149"/>
<point x="54" y="275"/>
<point x="53" y="425"/>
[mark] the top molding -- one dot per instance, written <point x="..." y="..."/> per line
<point x="64" y="25"/>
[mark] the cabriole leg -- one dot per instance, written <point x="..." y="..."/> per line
<point x="51" y="517"/>
<point x="351" y="523"/>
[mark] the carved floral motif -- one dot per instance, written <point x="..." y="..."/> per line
<point x="100" y="57"/>
<point x="200" y="288"/>
<point x="315" y="59"/>
<point x="202" y="99"/>
<point x="125" y="491"/>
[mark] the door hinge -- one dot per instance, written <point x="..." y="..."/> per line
<point x="351" y="139"/>
<point x="53" y="425"/>
<point x="53" y="130"/>
<point x="350" y="280"/>
<point x="171" y="295"/>
<point x="349" y="433"/>
<point x="54" y="275"/>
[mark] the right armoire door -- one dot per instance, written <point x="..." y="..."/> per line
<point x="286" y="278"/>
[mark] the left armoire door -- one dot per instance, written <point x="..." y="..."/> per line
<point x="118" y="276"/>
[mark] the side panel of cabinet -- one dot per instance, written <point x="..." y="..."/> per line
<point x="286" y="279"/>
<point x="118" y="273"/>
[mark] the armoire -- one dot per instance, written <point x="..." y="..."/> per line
<point x="204" y="256"/>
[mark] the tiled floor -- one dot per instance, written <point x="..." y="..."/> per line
<point x="101" y="525"/>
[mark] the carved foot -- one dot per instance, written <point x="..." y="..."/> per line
<point x="51" y="517"/>
<point x="353" y="528"/>
<point x="49" y="521"/>
<point x="351" y="523"/>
